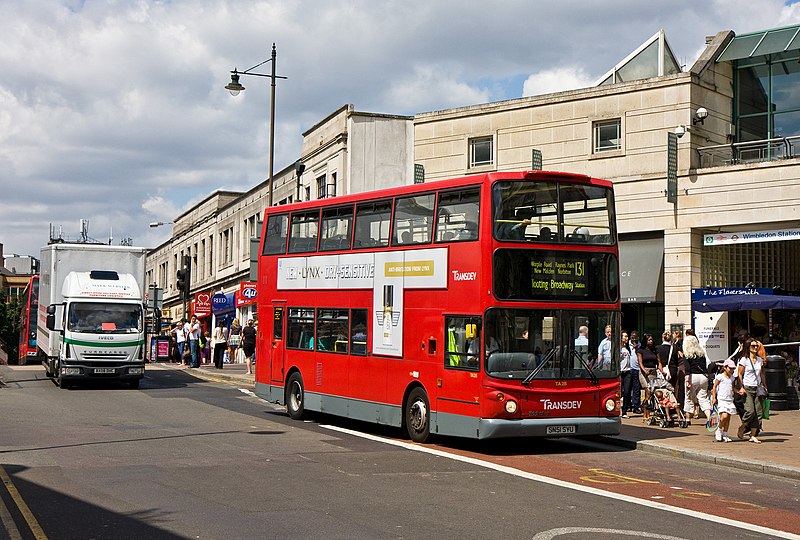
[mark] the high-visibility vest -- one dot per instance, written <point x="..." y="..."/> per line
<point x="452" y="359"/>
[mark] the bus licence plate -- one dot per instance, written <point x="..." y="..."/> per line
<point x="560" y="430"/>
<point x="105" y="370"/>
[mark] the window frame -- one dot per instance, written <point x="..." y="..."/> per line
<point x="473" y="148"/>
<point x="597" y="126"/>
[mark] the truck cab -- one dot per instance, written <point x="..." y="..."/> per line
<point x="99" y="329"/>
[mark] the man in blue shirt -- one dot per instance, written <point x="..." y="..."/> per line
<point x="604" y="352"/>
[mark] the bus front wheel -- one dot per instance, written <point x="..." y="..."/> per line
<point x="418" y="415"/>
<point x="295" y="396"/>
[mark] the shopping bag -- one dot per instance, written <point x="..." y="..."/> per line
<point x="240" y="356"/>
<point x="765" y="408"/>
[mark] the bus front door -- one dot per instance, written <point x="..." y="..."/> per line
<point x="277" y="350"/>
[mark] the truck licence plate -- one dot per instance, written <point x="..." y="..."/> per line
<point x="105" y="370"/>
<point x="560" y="430"/>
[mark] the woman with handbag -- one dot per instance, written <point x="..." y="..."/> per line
<point x="750" y="372"/>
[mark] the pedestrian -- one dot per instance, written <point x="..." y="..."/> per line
<point x="664" y="352"/>
<point x="696" y="378"/>
<point x="220" y="343"/>
<point x="751" y="374"/>
<point x="180" y="339"/>
<point x="234" y="338"/>
<point x="194" y="341"/>
<point x="677" y="367"/>
<point x="639" y="381"/>
<point x="249" y="345"/>
<point x="186" y="358"/>
<point x="626" y="374"/>
<point x="722" y="398"/>
<point x="649" y="366"/>
<point x="205" y="348"/>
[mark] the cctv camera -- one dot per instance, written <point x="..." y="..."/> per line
<point x="680" y="131"/>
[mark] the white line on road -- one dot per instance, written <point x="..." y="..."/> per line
<point x="569" y="485"/>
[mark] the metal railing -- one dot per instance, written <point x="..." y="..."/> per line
<point x="749" y="152"/>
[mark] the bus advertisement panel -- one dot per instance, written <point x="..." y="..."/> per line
<point x="472" y="307"/>
<point x="27" y="321"/>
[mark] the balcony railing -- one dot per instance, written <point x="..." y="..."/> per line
<point x="749" y="152"/>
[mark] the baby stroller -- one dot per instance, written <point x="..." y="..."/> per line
<point x="663" y="405"/>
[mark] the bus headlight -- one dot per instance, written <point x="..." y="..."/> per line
<point x="610" y="404"/>
<point x="511" y="406"/>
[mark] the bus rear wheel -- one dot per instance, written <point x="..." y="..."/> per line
<point x="295" y="397"/>
<point x="418" y="415"/>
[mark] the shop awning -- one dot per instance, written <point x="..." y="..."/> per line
<point x="742" y="302"/>
<point x="641" y="263"/>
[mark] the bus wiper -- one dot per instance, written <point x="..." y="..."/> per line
<point x="592" y="376"/>
<point x="532" y="375"/>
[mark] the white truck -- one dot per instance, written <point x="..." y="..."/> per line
<point x="90" y="318"/>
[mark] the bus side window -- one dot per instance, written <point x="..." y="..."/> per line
<point x="277" y="231"/>
<point x="462" y="342"/>
<point x="300" y="329"/>
<point x="372" y="224"/>
<point x="457" y="215"/>
<point x="413" y="220"/>
<point x="358" y="332"/>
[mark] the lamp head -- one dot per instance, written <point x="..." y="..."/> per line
<point x="700" y="115"/>
<point x="234" y="87"/>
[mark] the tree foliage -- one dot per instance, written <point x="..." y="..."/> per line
<point x="9" y="326"/>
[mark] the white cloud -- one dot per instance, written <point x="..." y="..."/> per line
<point x="556" y="80"/>
<point x="115" y="112"/>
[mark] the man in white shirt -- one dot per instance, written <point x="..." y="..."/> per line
<point x="194" y="337"/>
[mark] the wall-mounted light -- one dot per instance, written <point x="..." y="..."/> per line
<point x="700" y="116"/>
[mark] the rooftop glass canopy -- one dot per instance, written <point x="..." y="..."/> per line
<point x="778" y="43"/>
<point x="653" y="58"/>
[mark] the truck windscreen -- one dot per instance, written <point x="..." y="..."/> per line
<point x="102" y="318"/>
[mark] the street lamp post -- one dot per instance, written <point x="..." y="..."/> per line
<point x="234" y="87"/>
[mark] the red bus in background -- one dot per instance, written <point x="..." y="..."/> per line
<point x="470" y="307"/>
<point x="27" y="321"/>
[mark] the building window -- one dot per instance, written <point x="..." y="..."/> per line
<point x="321" y="187"/>
<point x="607" y="135"/>
<point x="481" y="151"/>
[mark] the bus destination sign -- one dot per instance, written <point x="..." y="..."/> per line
<point x="558" y="276"/>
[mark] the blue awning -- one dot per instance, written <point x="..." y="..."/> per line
<point x="743" y="302"/>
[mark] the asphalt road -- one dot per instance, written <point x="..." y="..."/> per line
<point x="183" y="458"/>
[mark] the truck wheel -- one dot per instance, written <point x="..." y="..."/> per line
<point x="134" y="384"/>
<point x="418" y="415"/>
<point x="62" y="383"/>
<point x="295" y="397"/>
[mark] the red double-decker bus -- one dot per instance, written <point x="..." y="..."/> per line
<point x="473" y="307"/>
<point x="27" y="321"/>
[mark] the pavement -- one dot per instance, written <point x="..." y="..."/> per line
<point x="779" y="453"/>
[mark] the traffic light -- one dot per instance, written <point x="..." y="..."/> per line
<point x="184" y="278"/>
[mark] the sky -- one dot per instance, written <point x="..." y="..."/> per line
<point x="115" y="111"/>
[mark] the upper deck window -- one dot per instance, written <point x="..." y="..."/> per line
<point x="275" y="236"/>
<point x="304" y="230"/>
<point x="413" y="220"/>
<point x="548" y="212"/>
<point x="457" y="215"/>
<point x="337" y="228"/>
<point x="372" y="224"/>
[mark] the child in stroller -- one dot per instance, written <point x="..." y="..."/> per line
<point x="664" y="405"/>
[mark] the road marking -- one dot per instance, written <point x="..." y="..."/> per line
<point x="8" y="522"/>
<point x="247" y="392"/>
<point x="568" y="485"/>
<point x="37" y="531"/>
<point x="552" y="533"/>
<point x="602" y="477"/>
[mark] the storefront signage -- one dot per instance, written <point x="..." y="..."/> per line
<point x="774" y="235"/>
<point x="202" y="304"/>
<point x="247" y="294"/>
<point x="221" y="302"/>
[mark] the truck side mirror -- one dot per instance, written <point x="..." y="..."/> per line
<point x="51" y="317"/>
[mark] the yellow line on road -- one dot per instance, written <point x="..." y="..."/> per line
<point x="34" y="526"/>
